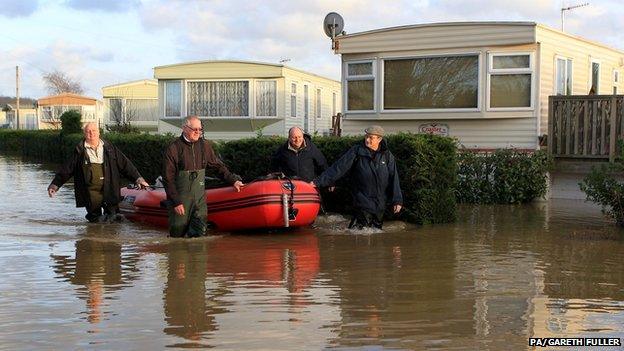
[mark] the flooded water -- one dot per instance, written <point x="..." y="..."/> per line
<point x="497" y="277"/>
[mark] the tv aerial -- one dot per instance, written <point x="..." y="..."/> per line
<point x="333" y="25"/>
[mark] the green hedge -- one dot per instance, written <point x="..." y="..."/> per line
<point x="503" y="177"/>
<point x="427" y="164"/>
<point x="604" y="186"/>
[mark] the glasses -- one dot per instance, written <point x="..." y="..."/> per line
<point x="196" y="130"/>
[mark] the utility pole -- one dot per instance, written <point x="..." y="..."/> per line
<point x="563" y="9"/>
<point x="17" y="108"/>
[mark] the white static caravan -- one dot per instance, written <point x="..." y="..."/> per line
<point x="134" y="102"/>
<point x="238" y="99"/>
<point x="485" y="83"/>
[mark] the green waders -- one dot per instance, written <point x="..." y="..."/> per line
<point x="94" y="179"/>
<point x="190" y="186"/>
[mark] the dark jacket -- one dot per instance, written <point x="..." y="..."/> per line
<point x="374" y="181"/>
<point x="182" y="155"/>
<point x="306" y="164"/>
<point x="116" y="165"/>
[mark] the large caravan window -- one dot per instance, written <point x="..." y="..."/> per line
<point x="219" y="98"/>
<point x="563" y="84"/>
<point x="266" y="98"/>
<point x="173" y="99"/>
<point x="450" y="82"/>
<point x="360" y="79"/>
<point x="510" y="78"/>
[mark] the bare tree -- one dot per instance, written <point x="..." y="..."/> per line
<point x="122" y="113"/>
<point x="58" y="82"/>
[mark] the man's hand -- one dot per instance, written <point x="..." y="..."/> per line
<point x="179" y="210"/>
<point x="397" y="208"/>
<point x="52" y="190"/>
<point x="238" y="185"/>
<point x="142" y="183"/>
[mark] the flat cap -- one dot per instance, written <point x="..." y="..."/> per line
<point x="375" y="130"/>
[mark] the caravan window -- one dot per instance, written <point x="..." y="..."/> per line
<point x="360" y="86"/>
<point x="266" y="98"/>
<point x="510" y="81"/>
<point x="173" y="99"/>
<point x="563" y="76"/>
<point x="444" y="82"/>
<point x="218" y="98"/>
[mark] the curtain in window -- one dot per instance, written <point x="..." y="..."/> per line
<point x="219" y="99"/>
<point x="265" y="98"/>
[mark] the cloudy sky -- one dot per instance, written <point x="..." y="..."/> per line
<point x="103" y="42"/>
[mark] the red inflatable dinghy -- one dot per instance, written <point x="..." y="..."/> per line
<point x="272" y="203"/>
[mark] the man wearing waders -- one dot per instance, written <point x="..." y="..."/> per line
<point x="374" y="179"/>
<point x="97" y="167"/>
<point x="185" y="164"/>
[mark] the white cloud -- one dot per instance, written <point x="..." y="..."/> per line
<point x="106" y="5"/>
<point x="22" y="8"/>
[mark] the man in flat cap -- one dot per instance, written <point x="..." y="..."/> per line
<point x="374" y="179"/>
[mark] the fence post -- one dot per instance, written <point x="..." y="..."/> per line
<point x="613" y="129"/>
<point x="551" y="118"/>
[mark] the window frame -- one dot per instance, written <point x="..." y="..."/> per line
<point x="616" y="81"/>
<point x="318" y="106"/>
<point x="250" y="101"/>
<point x="589" y="81"/>
<point x="165" y="98"/>
<point x="571" y="74"/>
<point x="255" y="114"/>
<point x="348" y="78"/>
<point x="293" y="107"/>
<point x="490" y="71"/>
<point x="478" y="54"/>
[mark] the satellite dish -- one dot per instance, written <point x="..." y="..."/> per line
<point x="333" y="24"/>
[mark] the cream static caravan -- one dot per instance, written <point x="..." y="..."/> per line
<point x="50" y="109"/>
<point x="134" y="102"/>
<point x="485" y="83"/>
<point x="238" y="99"/>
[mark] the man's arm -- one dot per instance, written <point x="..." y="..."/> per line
<point x="337" y="170"/>
<point x="216" y="163"/>
<point x="170" y="170"/>
<point x="275" y="165"/>
<point x="63" y="174"/>
<point x="127" y="168"/>
<point x="394" y="185"/>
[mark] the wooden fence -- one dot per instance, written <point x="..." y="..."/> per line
<point x="585" y="126"/>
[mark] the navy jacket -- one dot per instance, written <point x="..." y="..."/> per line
<point x="116" y="165"/>
<point x="305" y="164"/>
<point x="374" y="181"/>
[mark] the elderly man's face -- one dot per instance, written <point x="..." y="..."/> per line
<point x="372" y="141"/>
<point x="295" y="138"/>
<point x="92" y="134"/>
<point x="192" y="130"/>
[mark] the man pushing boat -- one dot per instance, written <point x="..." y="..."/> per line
<point x="184" y="169"/>
<point x="97" y="167"/>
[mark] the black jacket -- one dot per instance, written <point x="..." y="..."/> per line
<point x="305" y="164"/>
<point x="182" y="155"/>
<point x="374" y="181"/>
<point x="116" y="165"/>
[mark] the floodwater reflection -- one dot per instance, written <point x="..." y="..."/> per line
<point x="498" y="276"/>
